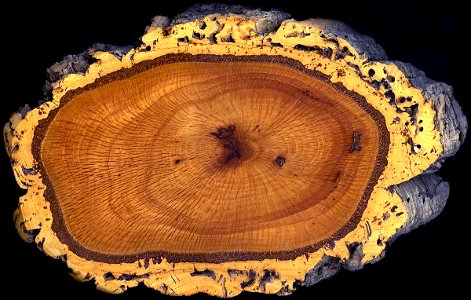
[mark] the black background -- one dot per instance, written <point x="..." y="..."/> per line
<point x="421" y="263"/>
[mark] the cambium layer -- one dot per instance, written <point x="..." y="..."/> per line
<point x="233" y="150"/>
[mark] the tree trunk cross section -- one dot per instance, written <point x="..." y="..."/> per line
<point x="233" y="150"/>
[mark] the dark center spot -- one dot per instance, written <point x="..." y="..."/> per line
<point x="230" y="143"/>
<point x="279" y="161"/>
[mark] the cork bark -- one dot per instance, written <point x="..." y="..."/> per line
<point x="425" y="125"/>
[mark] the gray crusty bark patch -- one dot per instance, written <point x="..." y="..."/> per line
<point x="159" y="21"/>
<point x="363" y="44"/>
<point x="270" y="20"/>
<point x="424" y="197"/>
<point x="325" y="269"/>
<point x="78" y="63"/>
<point x="71" y="64"/>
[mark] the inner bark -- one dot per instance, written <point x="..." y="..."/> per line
<point x="210" y="156"/>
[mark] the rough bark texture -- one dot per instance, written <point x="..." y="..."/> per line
<point x="267" y="21"/>
<point x="403" y="200"/>
<point x="424" y="197"/>
<point x="450" y="120"/>
<point x="365" y="46"/>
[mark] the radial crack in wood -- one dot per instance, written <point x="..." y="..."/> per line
<point x="233" y="150"/>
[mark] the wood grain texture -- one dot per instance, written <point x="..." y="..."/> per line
<point x="210" y="158"/>
<point x="244" y="167"/>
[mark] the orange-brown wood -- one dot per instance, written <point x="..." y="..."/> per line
<point x="214" y="157"/>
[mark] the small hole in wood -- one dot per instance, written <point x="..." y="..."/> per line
<point x="279" y="161"/>
<point x="390" y="95"/>
<point x="202" y="25"/>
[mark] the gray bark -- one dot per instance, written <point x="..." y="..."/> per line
<point x="269" y="20"/>
<point x="424" y="197"/>
<point x="78" y="64"/>
<point x="363" y="44"/>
